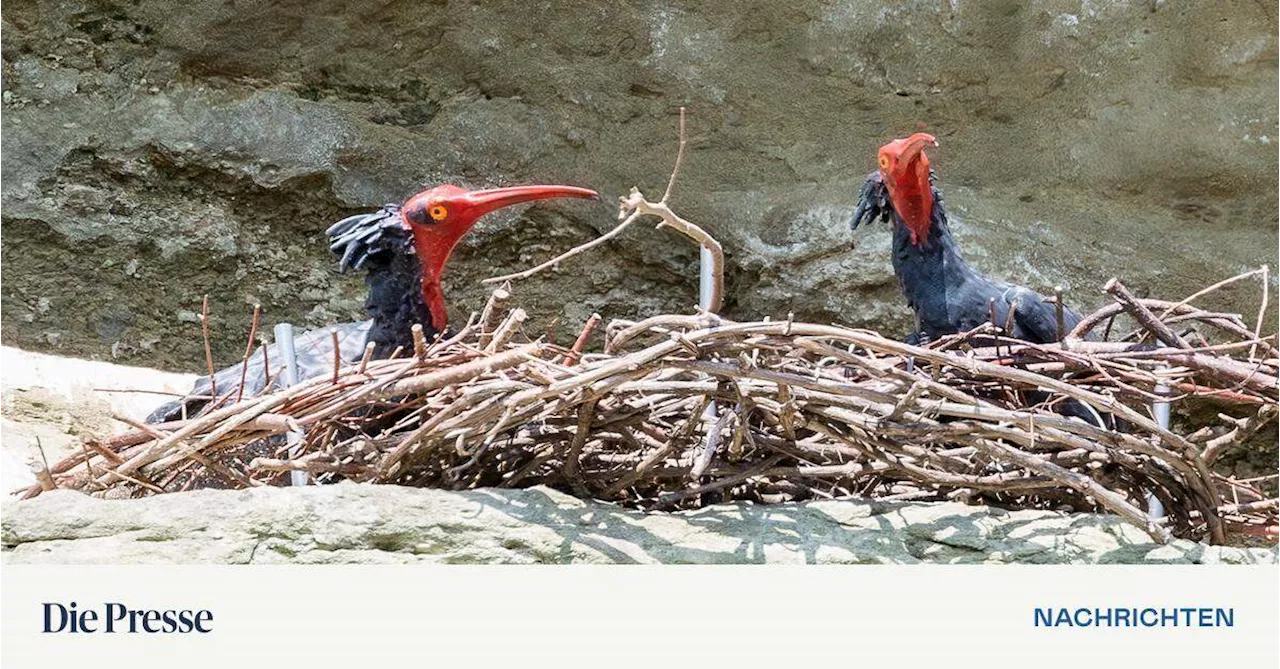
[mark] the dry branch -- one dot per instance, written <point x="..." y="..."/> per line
<point x="630" y="209"/>
<point x="803" y="411"/>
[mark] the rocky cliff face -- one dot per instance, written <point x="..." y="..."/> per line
<point x="154" y="153"/>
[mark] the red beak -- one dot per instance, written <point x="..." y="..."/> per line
<point x="905" y="169"/>
<point x="481" y="202"/>
<point x="440" y="217"/>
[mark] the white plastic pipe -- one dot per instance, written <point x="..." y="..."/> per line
<point x="1162" y="414"/>
<point x="706" y="285"/>
<point x="288" y="378"/>
<point x="706" y="280"/>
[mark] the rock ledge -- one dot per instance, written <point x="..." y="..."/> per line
<point x="352" y="523"/>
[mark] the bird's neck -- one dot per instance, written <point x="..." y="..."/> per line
<point x="396" y="304"/>
<point x="930" y="270"/>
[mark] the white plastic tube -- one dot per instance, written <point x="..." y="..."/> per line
<point x="1162" y="413"/>
<point x="288" y="378"/>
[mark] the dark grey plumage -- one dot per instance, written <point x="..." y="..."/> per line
<point x="380" y="244"/>
<point x="946" y="294"/>
<point x="377" y="243"/>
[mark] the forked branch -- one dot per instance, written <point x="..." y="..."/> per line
<point x="630" y="209"/>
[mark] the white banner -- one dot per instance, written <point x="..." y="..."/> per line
<point x="339" y="616"/>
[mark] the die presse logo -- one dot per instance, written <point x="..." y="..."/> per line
<point x="117" y="618"/>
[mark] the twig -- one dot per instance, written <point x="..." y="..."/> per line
<point x="266" y="363"/>
<point x="366" y="357"/>
<point x="208" y="348"/>
<point x="1260" y="505"/>
<point x="143" y="391"/>
<point x="675" y="169"/>
<point x="419" y="341"/>
<point x="43" y="477"/>
<point x="507" y="330"/>
<point x="1058" y="309"/>
<point x="1225" y="325"/>
<point x="630" y="209"/>
<point x="586" y="413"/>
<point x="635" y="203"/>
<point x="1143" y="316"/>
<point x="757" y="470"/>
<point x="1245" y="428"/>
<point x="617" y="230"/>
<point x="248" y="351"/>
<point x="1079" y="482"/>
<point x="581" y="342"/>
<point x="1262" y="308"/>
<point x="337" y="354"/>
<point x="494" y="308"/>
<point x="710" y="445"/>
<point x="1205" y="291"/>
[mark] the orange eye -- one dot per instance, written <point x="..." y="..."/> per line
<point x="437" y="213"/>
<point x="884" y="162"/>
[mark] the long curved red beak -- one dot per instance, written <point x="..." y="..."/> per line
<point x="440" y="217"/>
<point x="480" y="202"/>
<point x="905" y="170"/>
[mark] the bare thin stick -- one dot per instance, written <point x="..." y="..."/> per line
<point x="636" y="203"/>
<point x="710" y="444"/>
<point x="337" y="354"/>
<point x="419" y="341"/>
<point x="88" y="466"/>
<point x="567" y="254"/>
<point x="507" y="330"/>
<point x="1143" y="315"/>
<point x="208" y="348"/>
<point x="248" y="350"/>
<point x="1245" y="428"/>
<point x="581" y="342"/>
<point x="494" y="308"/>
<point x="675" y="170"/>
<point x="586" y="413"/>
<point x="151" y="392"/>
<point x="43" y="477"/>
<point x="1262" y="308"/>
<point x="266" y="363"/>
<point x="1009" y="317"/>
<point x="368" y="355"/>
<point x="1251" y="506"/>
<point x="1201" y="293"/>
<point x="630" y="209"/>
<point x="1058" y="312"/>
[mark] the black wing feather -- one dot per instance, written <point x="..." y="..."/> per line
<point x="379" y="237"/>
<point x="358" y="239"/>
<point x="1036" y="319"/>
<point x="873" y="202"/>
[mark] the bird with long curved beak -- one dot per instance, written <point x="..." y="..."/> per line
<point x="403" y="249"/>
<point x="439" y="218"/>
<point x="946" y="294"/>
<point x="904" y="168"/>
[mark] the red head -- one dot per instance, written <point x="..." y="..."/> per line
<point x="441" y="216"/>
<point x="905" y="170"/>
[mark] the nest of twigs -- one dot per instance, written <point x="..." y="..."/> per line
<point x="681" y="411"/>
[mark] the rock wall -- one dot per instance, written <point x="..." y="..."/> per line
<point x="155" y="153"/>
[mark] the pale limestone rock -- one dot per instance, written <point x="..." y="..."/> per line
<point x="377" y="524"/>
